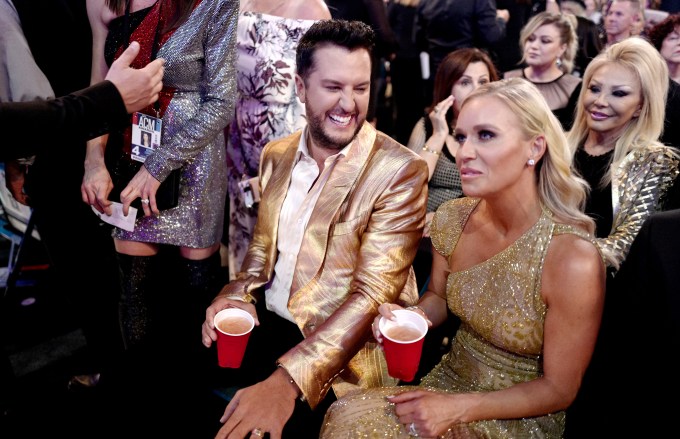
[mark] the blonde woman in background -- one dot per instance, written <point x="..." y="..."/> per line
<point x="615" y="144"/>
<point x="619" y="119"/>
<point x="549" y="44"/>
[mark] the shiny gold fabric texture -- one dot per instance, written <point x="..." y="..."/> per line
<point x="639" y="183"/>
<point x="356" y="254"/>
<point x="499" y="343"/>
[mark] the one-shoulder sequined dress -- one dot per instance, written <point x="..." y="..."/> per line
<point x="201" y="82"/>
<point x="499" y="343"/>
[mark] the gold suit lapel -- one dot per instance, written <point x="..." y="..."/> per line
<point x="275" y="192"/>
<point x="345" y="174"/>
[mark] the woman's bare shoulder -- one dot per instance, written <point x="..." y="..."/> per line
<point x="312" y="10"/>
<point x="573" y="264"/>
<point x="575" y="252"/>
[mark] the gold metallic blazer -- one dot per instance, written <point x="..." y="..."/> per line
<point x="355" y="255"/>
<point x="638" y="184"/>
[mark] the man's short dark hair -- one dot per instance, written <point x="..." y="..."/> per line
<point x="349" y="34"/>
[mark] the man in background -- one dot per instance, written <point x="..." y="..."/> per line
<point x="624" y="18"/>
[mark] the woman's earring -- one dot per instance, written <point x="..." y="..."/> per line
<point x="559" y="62"/>
<point x="531" y="162"/>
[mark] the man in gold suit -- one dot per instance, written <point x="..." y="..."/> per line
<point x="341" y="214"/>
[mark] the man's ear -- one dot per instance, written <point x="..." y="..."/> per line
<point x="300" y="88"/>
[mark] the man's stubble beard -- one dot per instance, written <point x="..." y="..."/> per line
<point x="322" y="140"/>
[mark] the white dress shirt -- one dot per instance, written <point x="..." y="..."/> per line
<point x="305" y="188"/>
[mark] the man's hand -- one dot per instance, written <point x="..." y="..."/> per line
<point x="139" y="88"/>
<point x="266" y="406"/>
<point x="209" y="335"/>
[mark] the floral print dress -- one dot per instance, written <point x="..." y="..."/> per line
<point x="267" y="108"/>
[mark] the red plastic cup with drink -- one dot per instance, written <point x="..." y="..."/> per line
<point x="233" y="326"/>
<point x="403" y="343"/>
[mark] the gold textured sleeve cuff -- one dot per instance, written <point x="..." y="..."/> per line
<point x="247" y="298"/>
<point x="301" y="397"/>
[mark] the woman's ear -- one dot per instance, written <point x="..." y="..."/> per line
<point x="637" y="111"/>
<point x="538" y="148"/>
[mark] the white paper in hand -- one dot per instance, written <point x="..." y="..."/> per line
<point x="117" y="218"/>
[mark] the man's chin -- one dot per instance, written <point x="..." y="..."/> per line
<point x="338" y="141"/>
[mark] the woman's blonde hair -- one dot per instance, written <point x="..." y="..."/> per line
<point x="559" y="189"/>
<point x="650" y="69"/>
<point x="566" y="26"/>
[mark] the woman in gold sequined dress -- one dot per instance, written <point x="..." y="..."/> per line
<point x="515" y="260"/>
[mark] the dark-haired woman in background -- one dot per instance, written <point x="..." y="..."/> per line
<point x="459" y="74"/>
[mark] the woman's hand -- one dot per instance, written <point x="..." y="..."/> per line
<point x="385" y="311"/>
<point x="430" y="413"/>
<point x="143" y="185"/>
<point x="428" y="222"/>
<point x="96" y="187"/>
<point x="438" y="116"/>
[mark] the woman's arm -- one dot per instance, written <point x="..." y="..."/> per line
<point x="218" y="85"/>
<point x="433" y="302"/>
<point x="573" y="282"/>
<point x="417" y="142"/>
<point x="440" y="138"/>
<point x="97" y="182"/>
<point x="312" y="10"/>
<point x="640" y="183"/>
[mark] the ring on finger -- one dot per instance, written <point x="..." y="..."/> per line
<point x="257" y="432"/>
<point x="145" y="200"/>
<point x="412" y="430"/>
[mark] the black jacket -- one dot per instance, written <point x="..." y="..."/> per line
<point x="29" y="127"/>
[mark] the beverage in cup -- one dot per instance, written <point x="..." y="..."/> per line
<point x="403" y="343"/>
<point x="233" y="326"/>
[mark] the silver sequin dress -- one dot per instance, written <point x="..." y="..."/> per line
<point x="200" y="67"/>
<point x="499" y="343"/>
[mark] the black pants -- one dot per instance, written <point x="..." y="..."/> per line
<point x="268" y="341"/>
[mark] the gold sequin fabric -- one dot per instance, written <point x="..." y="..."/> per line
<point x="199" y="66"/>
<point x="499" y="343"/>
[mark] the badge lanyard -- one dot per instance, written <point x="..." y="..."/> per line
<point x="146" y="129"/>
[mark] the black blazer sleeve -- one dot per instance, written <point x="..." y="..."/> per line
<point x="28" y="127"/>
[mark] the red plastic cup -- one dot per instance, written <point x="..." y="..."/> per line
<point x="403" y="343"/>
<point x="233" y="326"/>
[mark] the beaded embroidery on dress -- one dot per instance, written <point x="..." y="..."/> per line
<point x="499" y="343"/>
